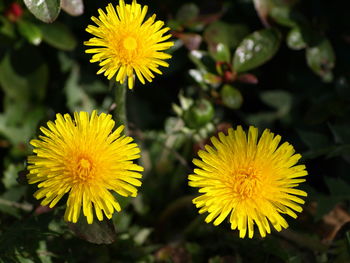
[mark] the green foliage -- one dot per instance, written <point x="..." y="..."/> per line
<point x="256" y="49"/>
<point x="278" y="64"/>
<point x="321" y="59"/>
<point x="45" y="10"/>
<point x="231" y="97"/>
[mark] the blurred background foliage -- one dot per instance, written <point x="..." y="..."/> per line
<point x="278" y="64"/>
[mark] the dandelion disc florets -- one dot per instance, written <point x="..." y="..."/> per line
<point x="84" y="158"/>
<point x="125" y="45"/>
<point x="250" y="181"/>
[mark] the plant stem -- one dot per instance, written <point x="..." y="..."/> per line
<point x="120" y="102"/>
<point x="24" y="206"/>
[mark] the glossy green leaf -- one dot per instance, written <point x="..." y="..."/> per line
<point x="256" y="49"/>
<point x="59" y="36"/>
<point x="30" y="31"/>
<point x="284" y="16"/>
<point x="321" y="59"/>
<point x="228" y="34"/>
<point x="220" y="52"/>
<point x="73" y="7"/>
<point x="286" y="3"/>
<point x="45" y="10"/>
<point x="262" y="7"/>
<point x="202" y="60"/>
<point x="212" y="79"/>
<point x="231" y="97"/>
<point x="295" y="39"/>
<point x="198" y="76"/>
<point x="191" y="40"/>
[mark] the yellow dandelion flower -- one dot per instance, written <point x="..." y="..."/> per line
<point x="125" y="44"/>
<point x="84" y="158"/>
<point x="251" y="181"/>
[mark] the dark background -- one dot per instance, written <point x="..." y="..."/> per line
<point x="297" y="87"/>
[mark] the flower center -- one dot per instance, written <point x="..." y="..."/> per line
<point x="246" y="182"/>
<point x="84" y="163"/>
<point x="84" y="169"/>
<point x="130" y="43"/>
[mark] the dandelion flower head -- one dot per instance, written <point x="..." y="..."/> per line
<point x="249" y="180"/>
<point x="125" y="44"/>
<point x="86" y="159"/>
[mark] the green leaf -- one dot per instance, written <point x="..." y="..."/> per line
<point x="45" y="10"/>
<point x="174" y="24"/>
<point x="286" y="3"/>
<point x="73" y="7"/>
<point x="77" y="98"/>
<point x="314" y="140"/>
<point x="191" y="40"/>
<point x="256" y="49"/>
<point x="212" y="79"/>
<point x="59" y="36"/>
<point x="173" y="125"/>
<point x="228" y="34"/>
<point x="199" y="114"/>
<point x="338" y="187"/>
<point x="7" y="28"/>
<point x="341" y="132"/>
<point x="204" y="63"/>
<point x="202" y="60"/>
<point x="295" y="39"/>
<point x="220" y="52"/>
<point x="325" y="204"/>
<point x="99" y="232"/>
<point x="321" y="59"/>
<point x="187" y="13"/>
<point x="341" y="150"/>
<point x="141" y="236"/>
<point x="262" y="7"/>
<point x="24" y="74"/>
<point x="30" y="31"/>
<point x="285" y="16"/>
<point x="347" y="236"/>
<point x="10" y="175"/>
<point x="185" y="102"/>
<point x="231" y="97"/>
<point x="9" y="198"/>
<point x="20" y="131"/>
<point x="43" y="252"/>
<point x="279" y="99"/>
<point x="261" y="119"/>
